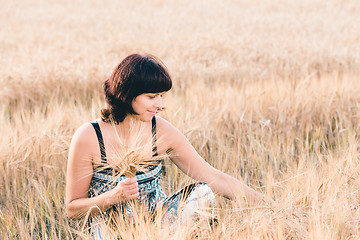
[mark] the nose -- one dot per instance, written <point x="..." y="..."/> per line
<point x="158" y="102"/>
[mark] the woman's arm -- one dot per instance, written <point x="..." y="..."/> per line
<point x="192" y="164"/>
<point x="79" y="174"/>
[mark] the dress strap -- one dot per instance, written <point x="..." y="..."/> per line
<point x="96" y="126"/>
<point x="154" y="148"/>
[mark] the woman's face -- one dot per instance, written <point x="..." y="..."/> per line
<point x="147" y="105"/>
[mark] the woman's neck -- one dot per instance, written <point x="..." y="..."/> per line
<point x="131" y="130"/>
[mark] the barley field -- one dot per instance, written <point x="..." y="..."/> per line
<point x="266" y="91"/>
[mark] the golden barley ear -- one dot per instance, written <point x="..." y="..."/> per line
<point x="131" y="171"/>
<point x="138" y="154"/>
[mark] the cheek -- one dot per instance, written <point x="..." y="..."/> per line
<point x="138" y="106"/>
<point x="134" y="106"/>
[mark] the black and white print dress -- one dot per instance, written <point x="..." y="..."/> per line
<point x="180" y="206"/>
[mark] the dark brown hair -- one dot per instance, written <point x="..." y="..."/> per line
<point x="135" y="75"/>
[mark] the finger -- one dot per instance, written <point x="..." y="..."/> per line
<point x="129" y="181"/>
<point x="130" y="186"/>
<point x="133" y="191"/>
<point x="133" y="196"/>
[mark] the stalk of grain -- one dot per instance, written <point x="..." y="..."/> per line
<point x="132" y="169"/>
<point x="137" y="154"/>
<point x="127" y="159"/>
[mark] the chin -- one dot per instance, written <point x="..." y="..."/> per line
<point x="146" y="119"/>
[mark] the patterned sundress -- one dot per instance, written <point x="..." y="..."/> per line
<point x="151" y="195"/>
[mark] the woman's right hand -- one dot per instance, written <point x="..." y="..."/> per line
<point x="127" y="189"/>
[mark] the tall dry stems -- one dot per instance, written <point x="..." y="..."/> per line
<point x="265" y="91"/>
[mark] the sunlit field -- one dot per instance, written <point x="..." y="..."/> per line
<point x="266" y="91"/>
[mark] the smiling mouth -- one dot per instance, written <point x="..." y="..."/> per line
<point x="153" y="113"/>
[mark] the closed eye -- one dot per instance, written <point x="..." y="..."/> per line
<point x="152" y="96"/>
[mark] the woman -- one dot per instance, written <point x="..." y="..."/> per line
<point x="133" y="97"/>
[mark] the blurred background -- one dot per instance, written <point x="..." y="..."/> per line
<point x="266" y="91"/>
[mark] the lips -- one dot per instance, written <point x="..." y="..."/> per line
<point x="152" y="113"/>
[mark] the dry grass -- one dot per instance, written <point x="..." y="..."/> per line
<point x="265" y="90"/>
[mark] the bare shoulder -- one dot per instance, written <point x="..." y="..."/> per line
<point x="169" y="134"/>
<point x="164" y="127"/>
<point x="84" y="133"/>
<point x="83" y="148"/>
<point x="84" y="136"/>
